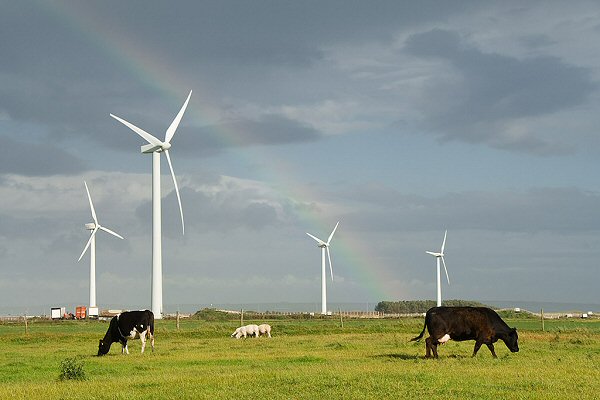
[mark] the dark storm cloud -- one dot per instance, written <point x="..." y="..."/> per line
<point x="563" y="210"/>
<point x="269" y="130"/>
<point x="35" y="159"/>
<point x="210" y="139"/>
<point x="266" y="32"/>
<point x="536" y="41"/>
<point x="52" y="74"/>
<point x="61" y="68"/>
<point x="494" y="90"/>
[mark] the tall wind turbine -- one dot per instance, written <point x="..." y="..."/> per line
<point x="94" y="227"/>
<point x="156" y="146"/>
<point x="324" y="247"/>
<point x="440" y="256"/>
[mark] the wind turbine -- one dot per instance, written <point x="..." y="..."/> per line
<point x="91" y="244"/>
<point x="156" y="146"/>
<point x="324" y="246"/>
<point x="440" y="256"/>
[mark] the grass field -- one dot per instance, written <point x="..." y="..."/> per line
<point x="305" y="359"/>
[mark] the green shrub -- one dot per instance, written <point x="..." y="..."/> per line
<point x="210" y="314"/>
<point x="71" y="368"/>
<point x="420" y="306"/>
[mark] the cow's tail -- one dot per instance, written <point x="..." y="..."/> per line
<point x="421" y="334"/>
<point x="151" y="324"/>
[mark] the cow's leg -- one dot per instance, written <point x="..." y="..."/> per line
<point x="269" y="333"/>
<point x="491" y="347"/>
<point x="428" y="347"/>
<point x="434" y="347"/>
<point x="143" y="340"/>
<point x="477" y="346"/>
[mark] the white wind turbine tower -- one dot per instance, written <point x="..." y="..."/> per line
<point x="439" y="256"/>
<point x="324" y="247"/>
<point x="156" y="147"/>
<point x="94" y="227"/>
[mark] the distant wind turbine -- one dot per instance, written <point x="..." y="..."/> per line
<point x="439" y="256"/>
<point x="94" y="227"/>
<point x="156" y="147"/>
<point x="324" y="247"/>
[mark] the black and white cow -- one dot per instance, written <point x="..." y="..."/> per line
<point x="128" y="325"/>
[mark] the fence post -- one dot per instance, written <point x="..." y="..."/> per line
<point x="542" y="314"/>
<point x="242" y="317"/>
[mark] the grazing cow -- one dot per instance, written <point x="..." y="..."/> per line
<point x="245" y="331"/>
<point x="128" y="325"/>
<point x="466" y="323"/>
<point x="264" y="329"/>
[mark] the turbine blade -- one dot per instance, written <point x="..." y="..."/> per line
<point x="330" y="266"/>
<point x="149" y="138"/>
<point x="432" y="253"/>
<point x="444" y="263"/>
<point x="332" y="232"/>
<point x="88" y="243"/>
<point x="176" y="190"/>
<point x="91" y="204"/>
<point x="111" y="232"/>
<point x="177" y="120"/>
<point x="317" y="239"/>
<point x="444" y="242"/>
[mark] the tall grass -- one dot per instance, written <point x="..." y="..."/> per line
<point x="367" y="359"/>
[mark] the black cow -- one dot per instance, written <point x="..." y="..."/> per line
<point x="128" y="325"/>
<point x="466" y="323"/>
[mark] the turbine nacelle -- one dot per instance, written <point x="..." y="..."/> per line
<point x="151" y="148"/>
<point x="90" y="227"/>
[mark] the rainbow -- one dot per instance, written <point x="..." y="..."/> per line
<point x="155" y="72"/>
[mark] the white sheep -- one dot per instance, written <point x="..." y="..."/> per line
<point x="264" y="329"/>
<point x="239" y="332"/>
<point x="245" y="331"/>
<point x="252" y="330"/>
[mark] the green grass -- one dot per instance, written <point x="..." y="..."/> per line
<point x="305" y="359"/>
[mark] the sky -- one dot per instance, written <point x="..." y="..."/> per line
<point x="399" y="119"/>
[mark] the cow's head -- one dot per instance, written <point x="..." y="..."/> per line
<point x="512" y="340"/>
<point x="103" y="347"/>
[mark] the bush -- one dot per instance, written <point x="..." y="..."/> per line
<point x="516" y="314"/>
<point x="210" y="314"/>
<point x="420" y="306"/>
<point x="71" y="368"/>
